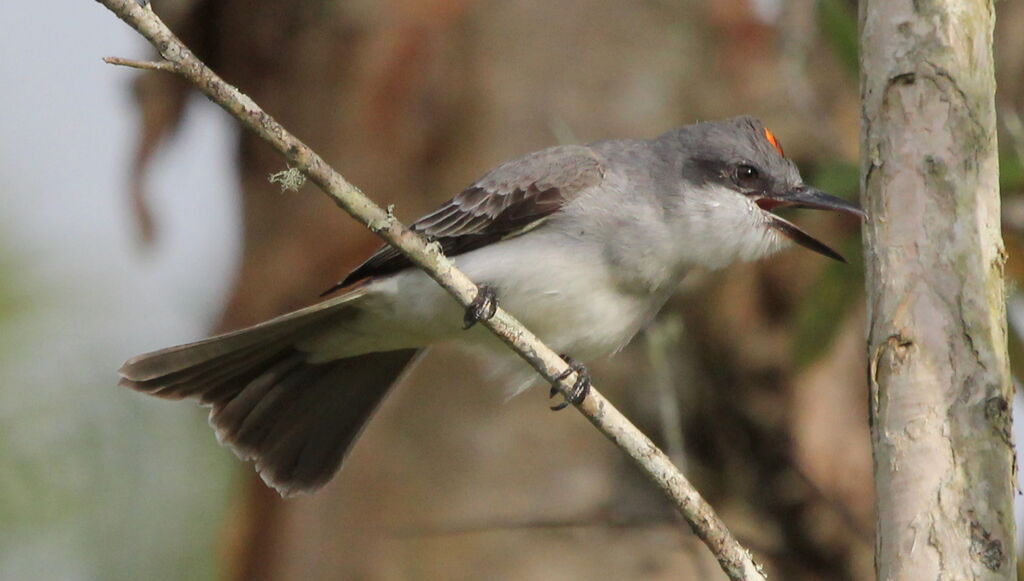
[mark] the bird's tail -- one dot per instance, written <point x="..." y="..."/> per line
<point x="296" y="419"/>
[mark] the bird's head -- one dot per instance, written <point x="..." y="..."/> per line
<point x="732" y="174"/>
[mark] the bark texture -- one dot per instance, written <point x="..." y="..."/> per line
<point x="938" y="368"/>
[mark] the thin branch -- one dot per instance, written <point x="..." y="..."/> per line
<point x="662" y="338"/>
<point x="736" y="561"/>
<point x="144" y="65"/>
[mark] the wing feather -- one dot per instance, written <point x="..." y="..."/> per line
<point x="507" y="201"/>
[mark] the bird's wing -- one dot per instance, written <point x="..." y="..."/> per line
<point x="509" y="200"/>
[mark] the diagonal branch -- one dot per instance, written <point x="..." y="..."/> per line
<point x="736" y="561"/>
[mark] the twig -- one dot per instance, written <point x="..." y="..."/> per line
<point x="736" y="561"/>
<point x="662" y="338"/>
<point x="144" y="65"/>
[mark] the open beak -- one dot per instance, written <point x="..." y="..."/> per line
<point x="811" y="198"/>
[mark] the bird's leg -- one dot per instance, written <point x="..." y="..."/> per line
<point x="482" y="308"/>
<point x="580" y="388"/>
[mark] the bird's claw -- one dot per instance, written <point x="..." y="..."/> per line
<point x="482" y="308"/>
<point x="579" y="389"/>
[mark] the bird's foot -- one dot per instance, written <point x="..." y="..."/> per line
<point x="580" y="388"/>
<point x="482" y="308"/>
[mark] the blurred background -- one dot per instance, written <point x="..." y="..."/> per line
<point x="136" y="215"/>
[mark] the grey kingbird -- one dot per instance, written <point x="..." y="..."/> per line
<point x="582" y="243"/>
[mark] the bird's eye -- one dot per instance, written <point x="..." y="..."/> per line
<point x="747" y="177"/>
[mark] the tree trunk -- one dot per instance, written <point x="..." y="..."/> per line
<point x="938" y="368"/>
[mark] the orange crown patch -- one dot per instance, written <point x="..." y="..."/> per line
<point x="774" y="141"/>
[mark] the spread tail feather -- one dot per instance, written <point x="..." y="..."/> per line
<point x="296" y="419"/>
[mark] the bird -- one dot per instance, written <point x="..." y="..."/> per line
<point x="582" y="243"/>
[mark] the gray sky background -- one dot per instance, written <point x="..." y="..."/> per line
<point x="106" y="484"/>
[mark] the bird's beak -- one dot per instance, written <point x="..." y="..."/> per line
<point x="806" y="197"/>
<point x="815" y="199"/>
